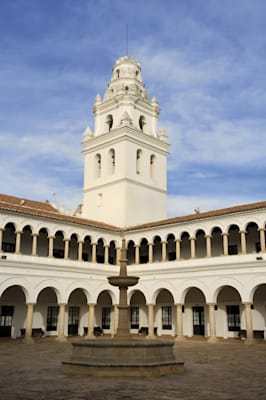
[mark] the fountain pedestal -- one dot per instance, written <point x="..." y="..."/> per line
<point x="123" y="355"/>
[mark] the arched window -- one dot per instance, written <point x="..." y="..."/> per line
<point x="100" y="251"/>
<point x="200" y="244"/>
<point x="112" y="253"/>
<point x="144" y="251"/>
<point x="9" y="238"/>
<point x="43" y="243"/>
<point x="109" y="122"/>
<point x="131" y="253"/>
<point x="185" y="251"/>
<point x="253" y="238"/>
<point x="98" y="165"/>
<point x="157" y="249"/>
<point x="139" y="161"/>
<point x="59" y="246"/>
<point x="87" y="249"/>
<point x="171" y="248"/>
<point x="152" y="166"/>
<point x="26" y="240"/>
<point x="217" y="242"/>
<point x="111" y="161"/>
<point x="142" y="122"/>
<point x="73" y="247"/>
<point x="234" y="245"/>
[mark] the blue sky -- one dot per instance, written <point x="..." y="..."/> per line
<point x="204" y="60"/>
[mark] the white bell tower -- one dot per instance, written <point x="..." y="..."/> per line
<point x="125" y="159"/>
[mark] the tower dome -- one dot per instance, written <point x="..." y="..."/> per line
<point x="126" y="79"/>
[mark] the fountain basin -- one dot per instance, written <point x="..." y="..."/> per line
<point x="123" y="281"/>
<point x="135" y="357"/>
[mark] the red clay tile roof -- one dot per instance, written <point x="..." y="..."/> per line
<point x="202" y="215"/>
<point x="46" y="210"/>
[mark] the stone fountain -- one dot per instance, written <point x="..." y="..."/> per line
<point x="123" y="355"/>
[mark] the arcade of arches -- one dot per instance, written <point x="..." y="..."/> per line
<point x="228" y="316"/>
<point x="177" y="247"/>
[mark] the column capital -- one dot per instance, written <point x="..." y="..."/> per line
<point x="18" y="232"/>
<point x="137" y="245"/>
<point x="66" y="240"/>
<point x="247" y="303"/>
<point x="192" y="238"/>
<point x="80" y="241"/>
<point x="261" y="229"/>
<point x="243" y="231"/>
<point x="208" y="236"/>
<point x="177" y="240"/>
<point x="51" y="237"/>
<point x="35" y="234"/>
<point x="225" y="234"/>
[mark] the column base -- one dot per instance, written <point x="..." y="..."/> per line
<point x="61" y="339"/>
<point x="249" y="341"/>
<point x="212" y="339"/>
<point x="179" y="338"/>
<point x="28" y="340"/>
<point x="90" y="337"/>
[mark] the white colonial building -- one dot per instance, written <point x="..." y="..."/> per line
<point x="200" y="275"/>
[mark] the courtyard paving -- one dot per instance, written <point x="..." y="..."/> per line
<point x="225" y="370"/>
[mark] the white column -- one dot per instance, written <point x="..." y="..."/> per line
<point x="249" y="323"/>
<point x="164" y="251"/>
<point x="192" y="247"/>
<point x="18" y="242"/>
<point x="243" y="242"/>
<point x="151" y="320"/>
<point x="61" y="323"/>
<point x="51" y="246"/>
<point x="262" y="240"/>
<point x="66" y="250"/>
<point x="150" y="252"/>
<point x="179" y="321"/>
<point x="80" y="248"/>
<point x="208" y="246"/>
<point x="212" y="338"/>
<point x="34" y="244"/>
<point x="225" y="243"/>
<point x="137" y="254"/>
<point x="106" y="254"/>
<point x="177" y="249"/>
<point x="93" y="256"/>
<point x="29" y="320"/>
<point x="1" y="238"/>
